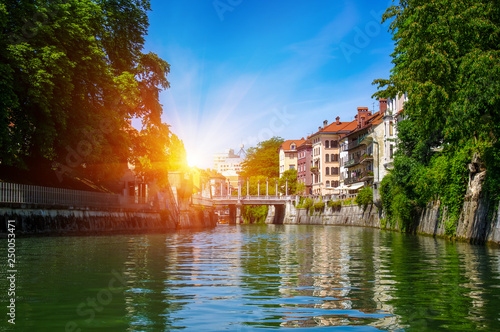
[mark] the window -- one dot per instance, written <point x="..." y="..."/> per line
<point x="391" y="150"/>
<point x="391" y="131"/>
<point x="328" y="171"/>
<point x="291" y="167"/>
<point x="327" y="144"/>
<point x="335" y="183"/>
<point x="335" y="170"/>
<point x="328" y="184"/>
<point x="292" y="146"/>
<point x="327" y="158"/>
<point x="334" y="144"/>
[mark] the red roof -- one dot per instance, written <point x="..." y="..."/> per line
<point x="286" y="144"/>
<point x="344" y="127"/>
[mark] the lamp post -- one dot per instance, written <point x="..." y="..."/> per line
<point x="258" y="188"/>
<point x="248" y="187"/>
<point x="267" y="187"/>
<point x="276" y="192"/>
<point x="286" y="187"/>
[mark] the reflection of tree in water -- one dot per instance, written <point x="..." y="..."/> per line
<point x="260" y="262"/>
<point x="438" y="285"/>
<point x="148" y="300"/>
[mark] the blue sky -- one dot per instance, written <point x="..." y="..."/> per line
<point x="243" y="71"/>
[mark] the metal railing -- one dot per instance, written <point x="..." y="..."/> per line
<point x="255" y="197"/>
<point x="15" y="193"/>
<point x="351" y="162"/>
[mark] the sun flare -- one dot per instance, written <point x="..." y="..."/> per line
<point x="193" y="160"/>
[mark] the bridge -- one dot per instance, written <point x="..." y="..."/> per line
<point x="242" y="200"/>
<point x="235" y="202"/>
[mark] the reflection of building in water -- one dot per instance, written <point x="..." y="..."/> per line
<point x="336" y="273"/>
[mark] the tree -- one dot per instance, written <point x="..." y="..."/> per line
<point x="263" y="159"/>
<point x="288" y="180"/>
<point x="447" y="60"/>
<point x="68" y="67"/>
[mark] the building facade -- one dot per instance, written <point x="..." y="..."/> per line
<point x="288" y="154"/>
<point x="326" y="156"/>
<point x="304" y="164"/>
<point x="229" y="165"/>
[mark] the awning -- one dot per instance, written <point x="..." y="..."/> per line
<point x="355" y="186"/>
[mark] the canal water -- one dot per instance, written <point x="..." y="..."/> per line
<point x="243" y="278"/>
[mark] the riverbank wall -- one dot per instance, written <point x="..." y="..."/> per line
<point x="346" y="215"/>
<point x="53" y="222"/>
<point x="479" y="221"/>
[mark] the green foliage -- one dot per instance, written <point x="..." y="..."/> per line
<point x="364" y="197"/>
<point x="254" y="214"/>
<point x="288" y="180"/>
<point x="347" y="201"/>
<point x="71" y="68"/>
<point x="447" y="60"/>
<point x="305" y="203"/>
<point x="335" y="205"/>
<point x="319" y="206"/>
<point x="258" y="185"/>
<point x="262" y="160"/>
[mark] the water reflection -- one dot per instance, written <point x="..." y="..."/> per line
<point x="244" y="278"/>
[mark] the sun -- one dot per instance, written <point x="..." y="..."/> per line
<point x="193" y="160"/>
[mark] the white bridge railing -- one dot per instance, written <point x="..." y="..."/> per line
<point x="255" y="197"/>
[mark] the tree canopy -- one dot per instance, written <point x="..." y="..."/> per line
<point x="447" y="60"/>
<point x="263" y="159"/>
<point x="72" y="73"/>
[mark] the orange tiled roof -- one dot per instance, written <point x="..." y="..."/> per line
<point x="344" y="127"/>
<point x="286" y="144"/>
<point x="373" y="120"/>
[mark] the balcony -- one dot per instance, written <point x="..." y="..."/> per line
<point x="352" y="144"/>
<point x="363" y="176"/>
<point x="351" y="162"/>
<point x="366" y="158"/>
<point x="314" y="170"/>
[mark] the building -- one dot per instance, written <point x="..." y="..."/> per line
<point x="229" y="165"/>
<point x="343" y="159"/>
<point x="304" y="164"/>
<point x="391" y="117"/>
<point x="326" y="155"/>
<point x="361" y="167"/>
<point x="288" y="154"/>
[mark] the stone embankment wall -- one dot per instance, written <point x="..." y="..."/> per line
<point x="479" y="221"/>
<point x="347" y="215"/>
<point x="88" y="222"/>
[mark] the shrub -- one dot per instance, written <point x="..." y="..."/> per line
<point x="335" y="205"/>
<point x="320" y="206"/>
<point x="365" y="197"/>
<point x="347" y="201"/>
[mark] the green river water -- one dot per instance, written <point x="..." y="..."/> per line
<point x="243" y="278"/>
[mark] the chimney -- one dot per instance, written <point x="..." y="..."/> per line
<point x="325" y="123"/>
<point x="383" y="105"/>
<point x="338" y="119"/>
<point x="319" y="128"/>
<point x="362" y="115"/>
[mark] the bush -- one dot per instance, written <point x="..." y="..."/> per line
<point x="365" y="197"/>
<point x="320" y="206"/>
<point x="347" y="201"/>
<point x="335" y="205"/>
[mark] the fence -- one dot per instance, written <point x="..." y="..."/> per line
<point x="28" y="194"/>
